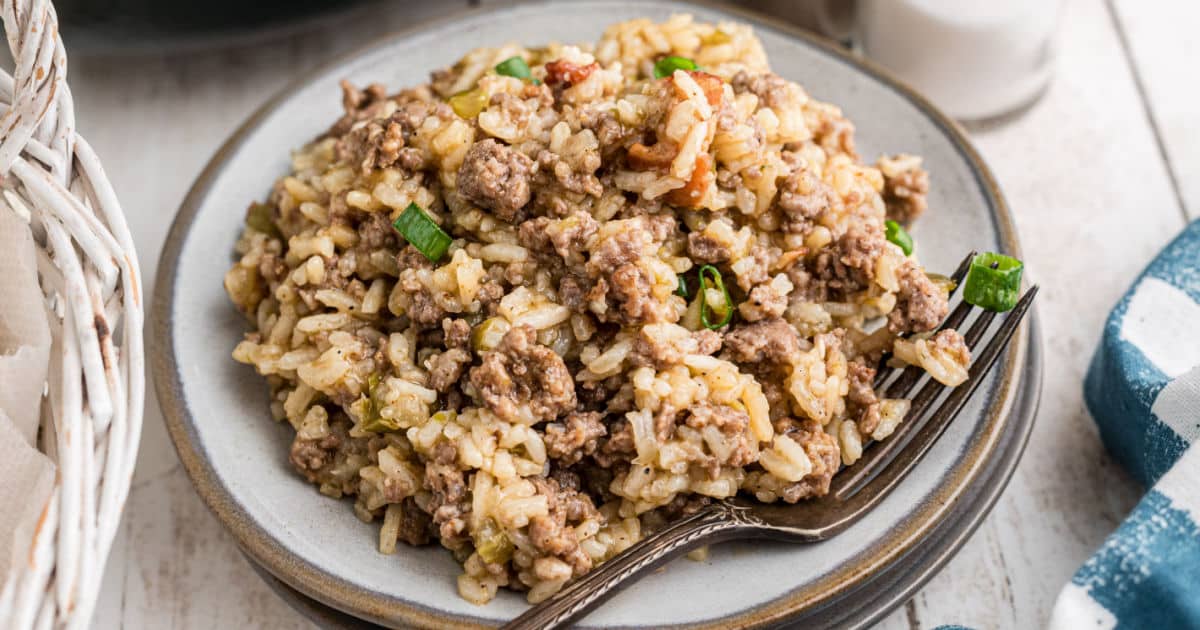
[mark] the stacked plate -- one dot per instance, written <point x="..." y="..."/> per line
<point x="323" y="559"/>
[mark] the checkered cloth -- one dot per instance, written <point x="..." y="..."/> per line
<point x="1143" y="389"/>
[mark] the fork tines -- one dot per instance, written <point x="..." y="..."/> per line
<point x="884" y="464"/>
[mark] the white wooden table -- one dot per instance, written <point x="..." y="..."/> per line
<point x="1096" y="172"/>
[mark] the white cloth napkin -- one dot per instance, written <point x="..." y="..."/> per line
<point x="26" y="475"/>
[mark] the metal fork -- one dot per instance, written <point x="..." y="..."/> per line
<point x="853" y="493"/>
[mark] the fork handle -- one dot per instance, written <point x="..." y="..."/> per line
<point x="713" y="523"/>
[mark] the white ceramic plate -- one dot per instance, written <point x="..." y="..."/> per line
<point x="216" y="408"/>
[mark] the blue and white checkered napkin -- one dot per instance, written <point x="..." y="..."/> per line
<point x="1143" y="389"/>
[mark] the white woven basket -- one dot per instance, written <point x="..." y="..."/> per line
<point x="91" y="419"/>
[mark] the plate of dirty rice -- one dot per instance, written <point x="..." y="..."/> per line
<point x="453" y="321"/>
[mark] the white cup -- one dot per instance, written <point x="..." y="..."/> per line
<point x="973" y="58"/>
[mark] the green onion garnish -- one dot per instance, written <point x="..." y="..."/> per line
<point x="421" y="232"/>
<point x="682" y="291"/>
<point x="993" y="282"/>
<point x="258" y="216"/>
<point x="371" y="420"/>
<point x="896" y="234"/>
<point x="514" y="67"/>
<point x="719" y="284"/>
<point x="667" y="66"/>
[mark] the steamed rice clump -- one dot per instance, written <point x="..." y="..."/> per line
<point x="559" y="383"/>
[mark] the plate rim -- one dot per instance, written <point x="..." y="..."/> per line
<point x="300" y="574"/>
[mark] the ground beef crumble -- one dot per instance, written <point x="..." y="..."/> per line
<point x="920" y="304"/>
<point x="521" y="377"/>
<point x="450" y="506"/>
<point x="862" y="399"/>
<point x="770" y="340"/>
<point x="496" y="177"/>
<point x="577" y="436"/>
<point x="555" y="533"/>
<point x="821" y="449"/>
<point x="620" y="283"/>
<point x="904" y="194"/>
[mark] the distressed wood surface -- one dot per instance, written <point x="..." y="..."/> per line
<point x="1083" y="168"/>
<point x="1160" y="38"/>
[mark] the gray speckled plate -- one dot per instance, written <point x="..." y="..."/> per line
<point x="216" y="409"/>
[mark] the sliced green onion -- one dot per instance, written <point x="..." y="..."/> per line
<point x="514" y="67"/>
<point x="371" y="420"/>
<point x="716" y="38"/>
<point x="667" y="66"/>
<point x="487" y="335"/>
<point x="421" y="232"/>
<point x="492" y="543"/>
<point x="258" y="217"/>
<point x="468" y="103"/>
<point x="993" y="282"/>
<point x="682" y="291"/>
<point x="719" y="284"/>
<point x="896" y="234"/>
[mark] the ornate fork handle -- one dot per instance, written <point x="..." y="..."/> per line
<point x="716" y="522"/>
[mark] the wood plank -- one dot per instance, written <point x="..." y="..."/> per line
<point x="1161" y="37"/>
<point x="1066" y="166"/>
<point x="156" y="120"/>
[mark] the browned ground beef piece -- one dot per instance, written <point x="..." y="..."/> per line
<point x="631" y="290"/>
<point x="272" y="267"/>
<point x="763" y="303"/>
<point x="849" y="265"/>
<point x="802" y="198"/>
<point x="577" y="436"/>
<point x="580" y="182"/>
<point x="376" y="144"/>
<point x="424" y="309"/>
<point x="621" y="283"/>
<point x="627" y="246"/>
<point x="318" y="460"/>
<point x="611" y="134"/>
<point x="456" y="333"/>
<point x="704" y="248"/>
<point x="449" y="506"/>
<point x="707" y="341"/>
<point x="496" y="177"/>
<point x="860" y="247"/>
<point x="952" y="342"/>
<point x="821" y="448"/>
<point x="376" y="232"/>
<point x="310" y="457"/>
<point x="920" y="304"/>
<point x="836" y="135"/>
<point x="650" y="349"/>
<point x="568" y="240"/>
<point x="730" y="422"/>
<point x="618" y="447"/>
<point x="572" y="293"/>
<point x="446" y="368"/>
<point x="770" y="340"/>
<point x="770" y="88"/>
<point x="415" y="525"/>
<point x="358" y="105"/>
<point x="521" y="373"/>
<point x="381" y="142"/>
<point x="862" y="399"/>
<point x="904" y="195"/>
<point x="555" y="533"/>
